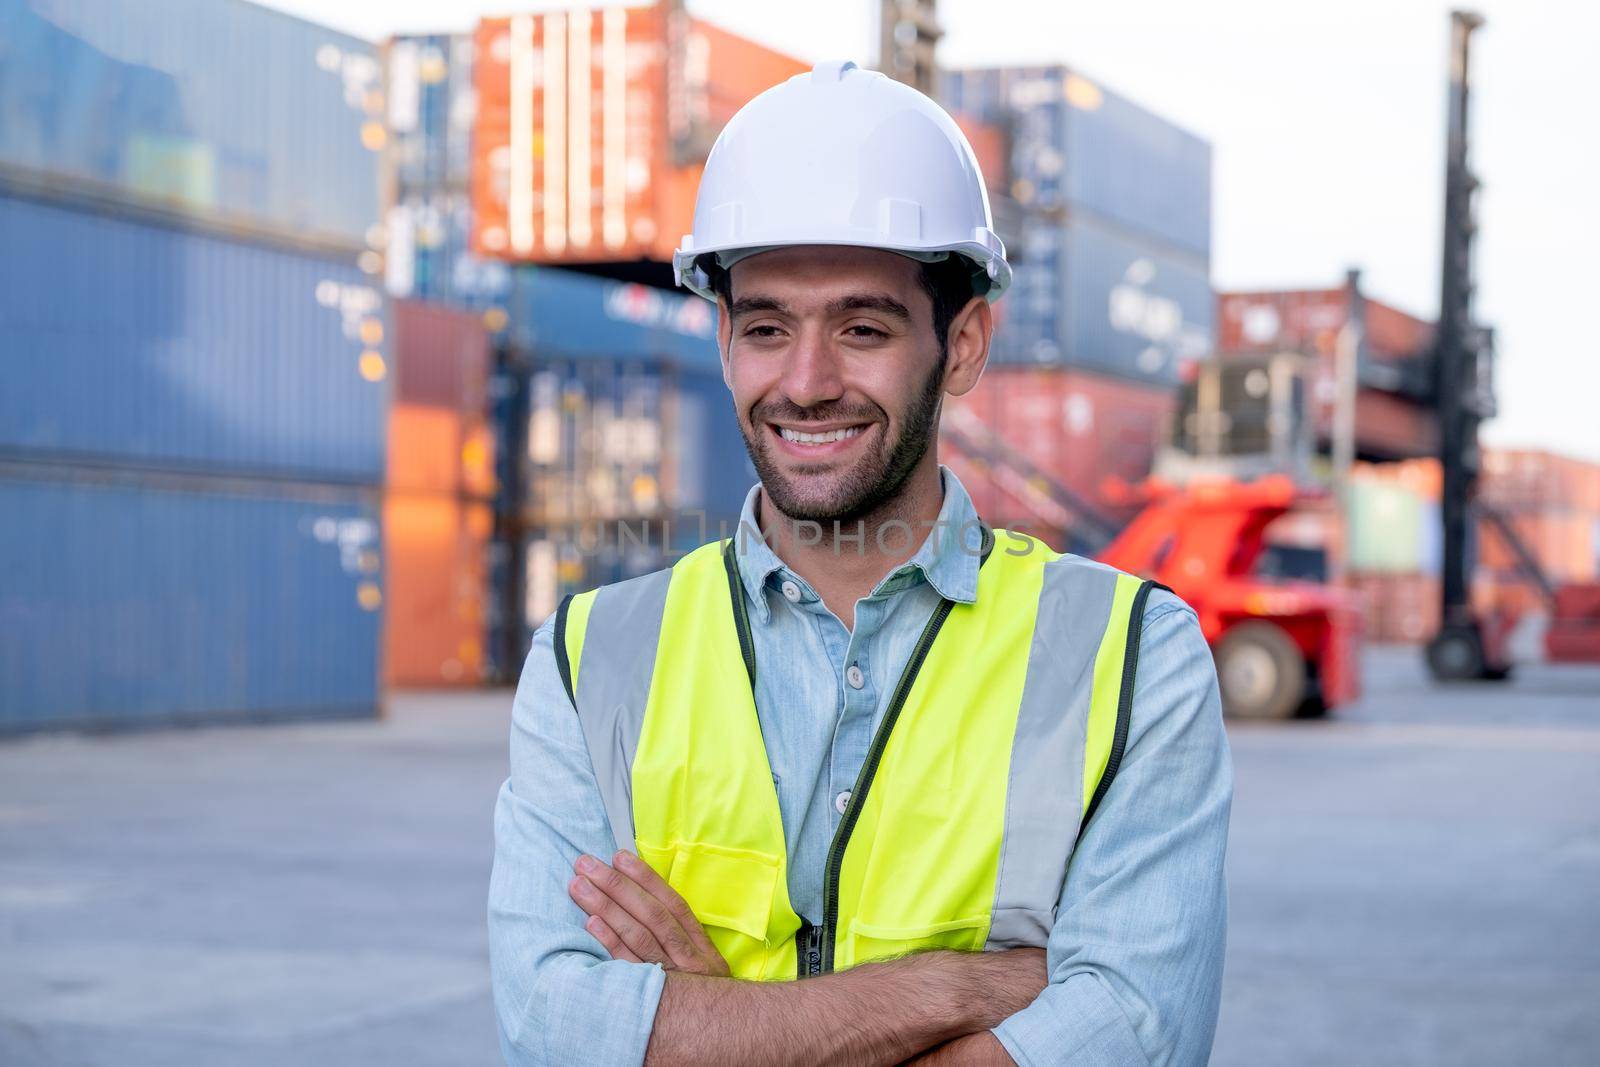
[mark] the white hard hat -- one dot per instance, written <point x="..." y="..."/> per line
<point x="842" y="156"/>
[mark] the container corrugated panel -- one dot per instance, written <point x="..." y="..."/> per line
<point x="578" y="157"/>
<point x="216" y="108"/>
<point x="1077" y="147"/>
<point x="131" y="604"/>
<point x="150" y="346"/>
<point x="1089" y="297"/>
<point x="435" y="618"/>
<point x="441" y="357"/>
<point x="571" y="315"/>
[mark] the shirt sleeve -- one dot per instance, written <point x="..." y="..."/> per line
<point x="559" y="997"/>
<point x="1135" y="955"/>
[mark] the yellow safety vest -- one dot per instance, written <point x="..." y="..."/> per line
<point x="1003" y="733"/>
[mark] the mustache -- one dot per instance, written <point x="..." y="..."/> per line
<point x="781" y="410"/>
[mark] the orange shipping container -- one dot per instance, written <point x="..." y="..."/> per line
<point x="592" y="126"/>
<point x="1309" y="320"/>
<point x="439" y="435"/>
<point x="435" y="586"/>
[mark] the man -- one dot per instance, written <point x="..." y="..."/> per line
<point x="972" y="794"/>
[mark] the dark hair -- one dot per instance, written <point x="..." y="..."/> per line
<point x="950" y="283"/>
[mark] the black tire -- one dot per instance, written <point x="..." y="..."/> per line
<point x="1261" y="671"/>
<point x="1456" y="655"/>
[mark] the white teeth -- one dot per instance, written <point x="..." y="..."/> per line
<point x="818" y="438"/>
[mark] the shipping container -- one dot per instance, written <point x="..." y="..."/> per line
<point x="1387" y="527"/>
<point x="139" y="602"/>
<point x="1400" y="608"/>
<point x="1088" y="297"/>
<point x="1518" y="479"/>
<point x="592" y="126"/>
<point x="1084" y="431"/>
<point x="708" y="467"/>
<point x="595" y="440"/>
<point x="1308" y="321"/>
<point x="428" y="256"/>
<point x="435" y="552"/>
<point x="441" y="357"/>
<point x="1079" y="149"/>
<point x="563" y="314"/>
<point x="217" y="109"/>
<point x="152" y="346"/>
<point x="430" y="105"/>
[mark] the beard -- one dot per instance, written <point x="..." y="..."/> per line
<point x="873" y="484"/>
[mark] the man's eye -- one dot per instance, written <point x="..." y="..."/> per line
<point x="761" y="331"/>
<point x="866" y="331"/>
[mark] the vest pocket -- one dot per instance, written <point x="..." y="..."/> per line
<point x="870" y="941"/>
<point x="731" y="892"/>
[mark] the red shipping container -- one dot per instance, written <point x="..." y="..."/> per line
<point x="589" y="142"/>
<point x="435" y="587"/>
<point x="441" y="356"/>
<point x="1078" y="429"/>
<point x="439" y="435"/>
<point x="1309" y="321"/>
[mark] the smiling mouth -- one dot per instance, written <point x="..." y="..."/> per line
<point x="822" y="437"/>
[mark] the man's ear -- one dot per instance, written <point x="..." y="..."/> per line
<point x="968" y="346"/>
<point x="724" y="339"/>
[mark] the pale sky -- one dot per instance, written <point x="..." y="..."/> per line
<point x="1327" y="126"/>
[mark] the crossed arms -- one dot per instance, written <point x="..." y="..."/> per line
<point x="882" y="1013"/>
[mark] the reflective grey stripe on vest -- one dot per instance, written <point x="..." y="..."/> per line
<point x="1044" y="793"/>
<point x="619" y="658"/>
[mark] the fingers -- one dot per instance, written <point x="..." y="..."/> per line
<point x="597" y="891"/>
<point x="609" y="939"/>
<point x="652" y="883"/>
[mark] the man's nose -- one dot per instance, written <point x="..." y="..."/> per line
<point x="812" y="373"/>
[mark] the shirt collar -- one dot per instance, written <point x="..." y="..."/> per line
<point x="947" y="559"/>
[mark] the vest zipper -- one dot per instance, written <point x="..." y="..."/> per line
<point x="808" y="950"/>
<point x="858" y="795"/>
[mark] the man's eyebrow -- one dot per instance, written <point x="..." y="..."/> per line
<point x="882" y="303"/>
<point x="745" y="305"/>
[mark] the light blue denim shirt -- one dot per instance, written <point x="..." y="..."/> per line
<point x="1135" y="955"/>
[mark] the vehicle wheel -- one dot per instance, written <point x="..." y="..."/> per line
<point x="1261" y="671"/>
<point x="1456" y="655"/>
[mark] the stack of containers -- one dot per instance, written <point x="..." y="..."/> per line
<point x="437" y="518"/>
<point x="621" y="447"/>
<point x="192" y="407"/>
<point x="593" y="126"/>
<point x="1553" y="503"/>
<point x="1394" y="420"/>
<point x="1393" y="545"/>
<point x="431" y="110"/>
<point x="1106" y="213"/>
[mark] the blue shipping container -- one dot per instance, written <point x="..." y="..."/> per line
<point x="431" y="107"/>
<point x="144" y="345"/>
<point x="429" y="256"/>
<point x="127" y="604"/>
<point x="217" y="108"/>
<point x="713" y="472"/>
<point x="559" y="313"/>
<point x="1078" y="147"/>
<point x="1088" y="296"/>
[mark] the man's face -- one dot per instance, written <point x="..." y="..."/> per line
<point x="836" y="375"/>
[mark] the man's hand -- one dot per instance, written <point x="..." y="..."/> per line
<point x="640" y="918"/>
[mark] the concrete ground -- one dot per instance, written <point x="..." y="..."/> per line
<point x="1415" y="882"/>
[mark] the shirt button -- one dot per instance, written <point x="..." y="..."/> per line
<point x="791" y="592"/>
<point x="841" y="802"/>
<point x="855" y="677"/>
